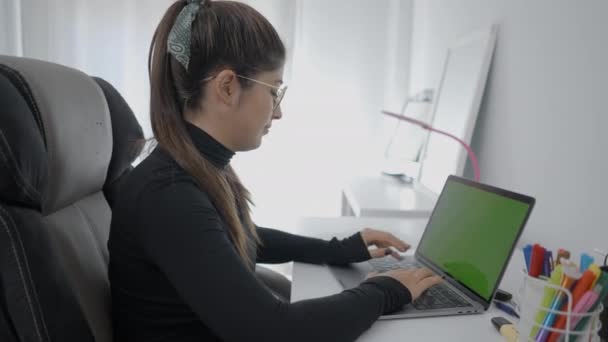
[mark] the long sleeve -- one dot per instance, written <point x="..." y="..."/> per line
<point x="185" y="239"/>
<point x="279" y="247"/>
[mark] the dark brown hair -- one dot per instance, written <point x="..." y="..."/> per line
<point x="225" y="35"/>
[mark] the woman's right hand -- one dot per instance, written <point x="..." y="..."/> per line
<point x="417" y="280"/>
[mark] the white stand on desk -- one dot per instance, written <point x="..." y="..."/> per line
<point x="313" y="281"/>
<point x="384" y="196"/>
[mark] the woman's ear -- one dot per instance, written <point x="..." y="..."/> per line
<point x="227" y="88"/>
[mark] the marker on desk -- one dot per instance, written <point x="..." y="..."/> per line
<point x="506" y="329"/>
<point x="527" y="256"/>
<point x="506" y="308"/>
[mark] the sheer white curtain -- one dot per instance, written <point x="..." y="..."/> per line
<point x="347" y="59"/>
<point x="108" y="38"/>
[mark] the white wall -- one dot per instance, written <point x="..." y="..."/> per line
<point x="541" y="129"/>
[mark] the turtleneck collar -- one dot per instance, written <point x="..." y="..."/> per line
<point x="210" y="148"/>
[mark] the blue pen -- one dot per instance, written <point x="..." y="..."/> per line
<point x="546" y="266"/>
<point x="527" y="256"/>
<point x="506" y="308"/>
<point x="542" y="334"/>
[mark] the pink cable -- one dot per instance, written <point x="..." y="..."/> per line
<point x="430" y="128"/>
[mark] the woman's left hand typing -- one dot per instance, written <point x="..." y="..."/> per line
<point x="385" y="243"/>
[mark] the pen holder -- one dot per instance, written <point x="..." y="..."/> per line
<point x="579" y="326"/>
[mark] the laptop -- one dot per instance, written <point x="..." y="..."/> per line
<point x="468" y="240"/>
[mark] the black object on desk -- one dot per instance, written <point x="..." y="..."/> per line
<point x="502" y="295"/>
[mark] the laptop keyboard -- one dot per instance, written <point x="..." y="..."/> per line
<point x="437" y="297"/>
<point x="389" y="263"/>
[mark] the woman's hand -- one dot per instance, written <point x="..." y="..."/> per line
<point x="417" y="280"/>
<point x="384" y="241"/>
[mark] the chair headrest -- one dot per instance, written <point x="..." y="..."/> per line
<point x="127" y="134"/>
<point x="55" y="134"/>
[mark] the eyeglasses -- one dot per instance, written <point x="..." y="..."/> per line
<point x="277" y="97"/>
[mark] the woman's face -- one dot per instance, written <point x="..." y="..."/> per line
<point x="256" y="109"/>
<point x="239" y="116"/>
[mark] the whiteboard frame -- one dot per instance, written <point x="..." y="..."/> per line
<point x="487" y="37"/>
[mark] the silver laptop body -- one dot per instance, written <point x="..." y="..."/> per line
<point x="454" y="296"/>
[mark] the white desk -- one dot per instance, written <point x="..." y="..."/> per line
<point x="311" y="281"/>
<point x="384" y="196"/>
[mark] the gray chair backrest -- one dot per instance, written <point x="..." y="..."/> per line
<point x="66" y="142"/>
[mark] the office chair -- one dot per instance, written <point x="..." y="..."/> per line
<point x="67" y="141"/>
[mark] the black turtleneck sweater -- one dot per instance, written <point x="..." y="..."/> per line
<point x="176" y="276"/>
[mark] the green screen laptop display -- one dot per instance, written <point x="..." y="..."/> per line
<point x="471" y="234"/>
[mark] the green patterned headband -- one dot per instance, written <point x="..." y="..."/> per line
<point x="178" y="43"/>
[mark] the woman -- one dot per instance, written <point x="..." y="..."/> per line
<point x="182" y="244"/>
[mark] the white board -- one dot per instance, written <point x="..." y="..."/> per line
<point x="456" y="108"/>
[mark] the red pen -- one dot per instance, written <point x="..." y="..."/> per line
<point x="536" y="260"/>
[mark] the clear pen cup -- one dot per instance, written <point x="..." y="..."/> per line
<point x="579" y="326"/>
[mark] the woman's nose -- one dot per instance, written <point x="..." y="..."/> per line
<point x="278" y="113"/>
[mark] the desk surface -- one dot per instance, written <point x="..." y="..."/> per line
<point x="386" y="196"/>
<point x="311" y="281"/>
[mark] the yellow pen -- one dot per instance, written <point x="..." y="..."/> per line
<point x="556" y="278"/>
<point x="597" y="272"/>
